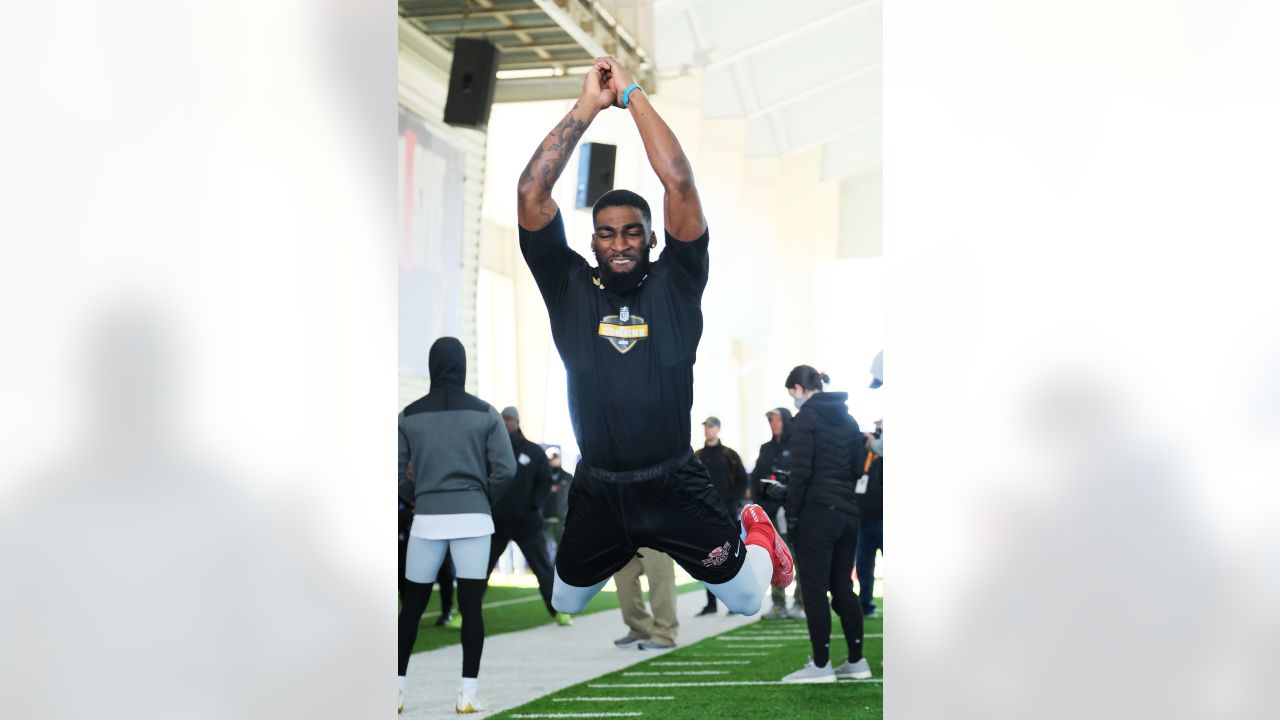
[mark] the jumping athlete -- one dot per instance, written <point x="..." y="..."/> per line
<point x="628" y="331"/>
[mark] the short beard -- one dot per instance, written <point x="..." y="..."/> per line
<point x="623" y="282"/>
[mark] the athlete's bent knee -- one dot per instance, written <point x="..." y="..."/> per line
<point x="569" y="599"/>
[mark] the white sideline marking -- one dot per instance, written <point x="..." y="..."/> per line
<point x="719" y="683"/>
<point x="576" y="714"/>
<point x="762" y="645"/>
<point x="730" y="654"/>
<point x="703" y="662"/>
<point x="681" y="672"/>
<point x="613" y="698"/>
<point x="779" y="636"/>
<point x="494" y="604"/>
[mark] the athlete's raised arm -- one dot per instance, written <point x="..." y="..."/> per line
<point x="682" y="208"/>
<point x="536" y="208"/>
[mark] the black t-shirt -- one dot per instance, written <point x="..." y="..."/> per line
<point x="629" y="358"/>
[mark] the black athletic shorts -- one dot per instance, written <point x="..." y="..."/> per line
<point x="672" y="508"/>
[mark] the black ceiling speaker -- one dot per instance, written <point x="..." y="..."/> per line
<point x="595" y="172"/>
<point x="472" y="80"/>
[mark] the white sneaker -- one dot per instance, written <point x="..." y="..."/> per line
<point x="467" y="703"/>
<point x="811" y="673"/>
<point x="854" y="671"/>
<point x="401" y="700"/>
<point x="797" y="613"/>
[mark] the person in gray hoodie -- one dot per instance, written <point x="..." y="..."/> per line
<point x="461" y="463"/>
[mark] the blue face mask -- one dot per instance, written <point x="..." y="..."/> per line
<point x="799" y="401"/>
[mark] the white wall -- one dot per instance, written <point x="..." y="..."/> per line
<point x="422" y="71"/>
<point x="861" y="233"/>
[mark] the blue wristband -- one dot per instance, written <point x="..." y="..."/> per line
<point x="626" y="95"/>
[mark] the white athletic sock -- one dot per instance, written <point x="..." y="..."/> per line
<point x="469" y="686"/>
<point x="401" y="682"/>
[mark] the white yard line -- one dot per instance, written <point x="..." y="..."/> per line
<point x="753" y="637"/>
<point x="576" y="714"/>
<point x="678" y="672"/>
<point x="701" y="662"/>
<point x="718" y="683"/>
<point x="635" y="697"/>
<point x="494" y="604"/>
<point x="763" y="645"/>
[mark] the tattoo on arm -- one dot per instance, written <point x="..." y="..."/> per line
<point x="549" y="160"/>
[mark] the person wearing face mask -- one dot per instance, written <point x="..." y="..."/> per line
<point x="827" y="452"/>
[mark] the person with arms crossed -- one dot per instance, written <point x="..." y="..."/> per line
<point x="628" y="331"/>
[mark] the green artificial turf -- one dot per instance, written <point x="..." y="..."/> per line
<point x="778" y="657"/>
<point x="509" y="616"/>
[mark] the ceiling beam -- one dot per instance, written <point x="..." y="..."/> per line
<point x="567" y="87"/>
<point x="815" y="90"/>
<point x="430" y="16"/>
<point x="788" y="35"/>
<point x="597" y="37"/>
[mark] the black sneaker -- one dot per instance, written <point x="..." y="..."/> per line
<point x="444" y="618"/>
<point x="708" y="610"/>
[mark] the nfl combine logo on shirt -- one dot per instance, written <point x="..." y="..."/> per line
<point x="623" y="330"/>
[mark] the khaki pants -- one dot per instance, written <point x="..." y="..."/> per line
<point x="661" y="570"/>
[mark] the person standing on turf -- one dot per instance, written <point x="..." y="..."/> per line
<point x="518" y="513"/>
<point x="628" y="331"/>
<point x="822" y="507"/>
<point x="656" y="631"/>
<point x="871" y="536"/>
<point x="461" y="462"/>
<point x="728" y="476"/>
<point x="871" y="509"/>
<point x="556" y="506"/>
<point x="769" y="488"/>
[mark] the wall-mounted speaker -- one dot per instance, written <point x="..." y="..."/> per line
<point x="595" y="172"/>
<point x="472" y="79"/>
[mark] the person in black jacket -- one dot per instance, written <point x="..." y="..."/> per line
<point x="729" y="477"/>
<point x="517" y="515"/>
<point x="871" y="536"/>
<point x="769" y="489"/>
<point x="827" y="449"/>
<point x="556" y="507"/>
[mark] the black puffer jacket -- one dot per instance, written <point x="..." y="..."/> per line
<point x="519" y="511"/>
<point x="774" y="460"/>
<point x="827" y="451"/>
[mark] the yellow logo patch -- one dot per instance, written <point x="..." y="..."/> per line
<point x="623" y="331"/>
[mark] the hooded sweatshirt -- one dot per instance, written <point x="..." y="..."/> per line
<point x="456" y="443"/>
<point x="775" y="455"/>
<point x="826" y="456"/>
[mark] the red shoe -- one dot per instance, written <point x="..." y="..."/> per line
<point x="760" y="531"/>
